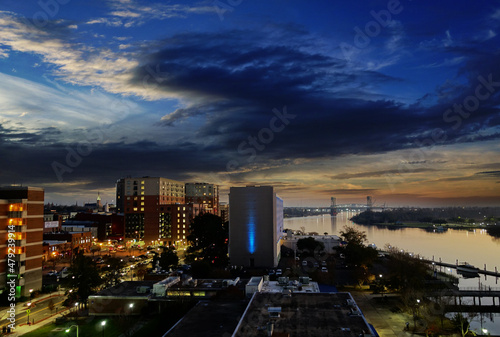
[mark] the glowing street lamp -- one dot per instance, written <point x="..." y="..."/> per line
<point x="68" y="329"/>
<point x="103" y="323"/>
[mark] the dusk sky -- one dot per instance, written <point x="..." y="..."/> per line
<point x="397" y="100"/>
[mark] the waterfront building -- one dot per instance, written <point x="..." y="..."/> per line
<point x="255" y="226"/>
<point x="21" y="229"/>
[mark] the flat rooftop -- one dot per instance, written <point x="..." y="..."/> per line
<point x="276" y="287"/>
<point x="210" y="319"/>
<point x="127" y="288"/>
<point x="304" y="315"/>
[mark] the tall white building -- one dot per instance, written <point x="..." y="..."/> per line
<point x="255" y="226"/>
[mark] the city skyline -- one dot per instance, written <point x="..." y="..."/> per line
<point x="398" y="100"/>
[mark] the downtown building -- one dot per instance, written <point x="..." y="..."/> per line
<point x="21" y="230"/>
<point x="203" y="194"/>
<point x="147" y="205"/>
<point x="255" y="226"/>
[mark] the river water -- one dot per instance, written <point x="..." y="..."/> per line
<point x="475" y="247"/>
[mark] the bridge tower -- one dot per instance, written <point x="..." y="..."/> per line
<point x="369" y="202"/>
<point x="333" y="206"/>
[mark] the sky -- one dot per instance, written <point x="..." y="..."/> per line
<point x="398" y="100"/>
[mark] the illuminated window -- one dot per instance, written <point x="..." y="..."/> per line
<point x="142" y="182"/>
<point x="142" y="209"/>
<point x="142" y="204"/>
<point x="183" y="226"/>
<point x="142" y="198"/>
<point x="183" y="236"/>
<point x="142" y="192"/>
<point x="135" y="209"/>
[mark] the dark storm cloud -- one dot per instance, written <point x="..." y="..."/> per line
<point x="236" y="82"/>
<point x="235" y="79"/>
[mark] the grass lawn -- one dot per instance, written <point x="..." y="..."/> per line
<point x="88" y="328"/>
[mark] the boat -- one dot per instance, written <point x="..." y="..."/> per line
<point x="467" y="268"/>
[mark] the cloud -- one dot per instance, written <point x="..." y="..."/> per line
<point x="372" y="174"/>
<point x="129" y="13"/>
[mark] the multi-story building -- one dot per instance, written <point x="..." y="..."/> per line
<point x="224" y="211"/>
<point x="255" y="226"/>
<point x="21" y="232"/>
<point x="182" y="215"/>
<point x="203" y="194"/>
<point x="81" y="240"/>
<point x="144" y="201"/>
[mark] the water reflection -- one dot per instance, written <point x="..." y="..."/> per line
<point x="475" y="247"/>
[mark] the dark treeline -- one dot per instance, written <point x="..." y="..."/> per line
<point x="490" y="215"/>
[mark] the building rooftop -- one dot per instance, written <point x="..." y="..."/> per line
<point x="295" y="286"/>
<point x="304" y="315"/>
<point x="127" y="288"/>
<point x="210" y="319"/>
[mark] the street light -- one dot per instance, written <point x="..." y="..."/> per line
<point x="68" y="329"/>
<point x="103" y="323"/>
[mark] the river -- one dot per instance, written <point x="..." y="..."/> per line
<point x="475" y="247"/>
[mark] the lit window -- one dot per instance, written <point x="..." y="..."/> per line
<point x="142" y="198"/>
<point x="184" y="232"/>
<point x="142" y="209"/>
<point x="183" y="226"/>
<point x="142" y="182"/>
<point x="142" y="192"/>
<point x="183" y="236"/>
<point x="142" y="204"/>
<point x="135" y="209"/>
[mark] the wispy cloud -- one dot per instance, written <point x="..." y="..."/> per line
<point x="131" y="13"/>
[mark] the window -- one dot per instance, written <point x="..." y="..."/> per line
<point x="135" y="209"/>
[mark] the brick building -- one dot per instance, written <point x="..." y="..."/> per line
<point x="21" y="232"/>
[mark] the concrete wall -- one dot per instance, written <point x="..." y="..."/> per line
<point x="254" y="239"/>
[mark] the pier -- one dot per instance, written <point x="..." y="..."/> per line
<point x="454" y="266"/>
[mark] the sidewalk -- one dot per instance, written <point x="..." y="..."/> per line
<point x="21" y="307"/>
<point x="386" y="322"/>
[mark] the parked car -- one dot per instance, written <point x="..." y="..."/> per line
<point x="52" y="273"/>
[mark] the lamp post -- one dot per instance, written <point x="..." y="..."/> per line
<point x="68" y="329"/>
<point x="103" y="323"/>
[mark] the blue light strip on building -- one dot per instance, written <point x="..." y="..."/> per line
<point x="251" y="233"/>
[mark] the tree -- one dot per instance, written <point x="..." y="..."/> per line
<point x="462" y="324"/>
<point x="208" y="240"/>
<point x="309" y="246"/>
<point x="353" y="237"/>
<point x="84" y="276"/>
<point x="168" y="259"/>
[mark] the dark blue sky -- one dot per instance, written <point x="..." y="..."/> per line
<point x="394" y="99"/>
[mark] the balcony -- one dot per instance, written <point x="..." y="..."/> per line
<point x="16" y="214"/>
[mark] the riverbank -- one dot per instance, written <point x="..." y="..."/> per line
<point x="425" y="225"/>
